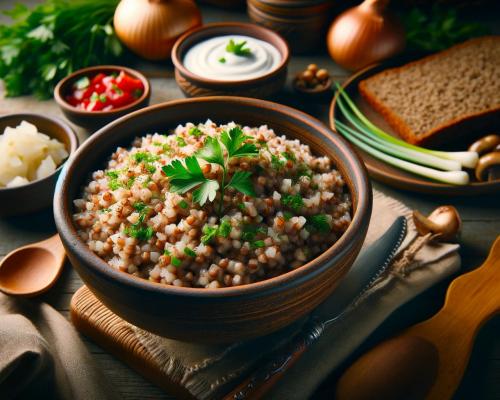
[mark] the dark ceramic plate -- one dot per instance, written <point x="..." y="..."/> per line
<point x="388" y="174"/>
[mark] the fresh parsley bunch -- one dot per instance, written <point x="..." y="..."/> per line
<point x="188" y="175"/>
<point x="48" y="42"/>
<point x="438" y="28"/>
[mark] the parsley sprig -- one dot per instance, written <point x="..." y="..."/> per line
<point x="238" y="49"/>
<point x="188" y="175"/>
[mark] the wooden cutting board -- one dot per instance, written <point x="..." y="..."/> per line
<point x="91" y="318"/>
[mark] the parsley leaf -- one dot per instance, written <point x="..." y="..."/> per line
<point x="224" y="228"/>
<point x="180" y="141"/>
<point x="189" y="252"/>
<point x="241" y="181"/>
<point x="211" y="151"/>
<point x="276" y="162"/>
<point x="238" y="49"/>
<point x="184" y="177"/>
<point x="209" y="232"/>
<point x="234" y="143"/>
<point x="206" y="191"/>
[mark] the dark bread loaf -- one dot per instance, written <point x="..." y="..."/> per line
<point x="442" y="96"/>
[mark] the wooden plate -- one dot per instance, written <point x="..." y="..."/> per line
<point x="388" y="174"/>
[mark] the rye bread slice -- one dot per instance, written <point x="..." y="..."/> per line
<point x="445" y="96"/>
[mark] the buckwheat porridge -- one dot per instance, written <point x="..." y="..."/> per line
<point x="213" y="206"/>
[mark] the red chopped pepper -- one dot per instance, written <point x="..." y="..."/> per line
<point x="105" y="92"/>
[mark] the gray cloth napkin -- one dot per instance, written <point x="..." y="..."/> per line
<point x="42" y="356"/>
<point x="207" y="371"/>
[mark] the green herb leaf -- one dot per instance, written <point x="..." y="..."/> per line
<point x="289" y="156"/>
<point x="167" y="252"/>
<point x="257" y="244"/>
<point x="224" y="228"/>
<point x="189" y="252"/>
<point x="319" y="223"/>
<point x="184" y="177"/>
<point x="180" y="141"/>
<point x="195" y="131"/>
<point x="241" y="181"/>
<point x="293" y="201"/>
<point x="183" y="204"/>
<point x="206" y="191"/>
<point x="139" y="206"/>
<point x="140" y="232"/>
<point x="222" y="60"/>
<point x="209" y="232"/>
<point x="276" y="162"/>
<point x="211" y="151"/>
<point x="287" y="215"/>
<point x="176" y="262"/>
<point x="238" y="49"/>
<point x="234" y="143"/>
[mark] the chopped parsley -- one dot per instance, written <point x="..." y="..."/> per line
<point x="287" y="215"/>
<point x="222" y="60"/>
<point x="189" y="252"/>
<point x="210" y="232"/>
<point x="293" y="201"/>
<point x="146" y="157"/>
<point x="113" y="181"/>
<point x="167" y="252"/>
<point x="289" y="156"/>
<point x="183" y="204"/>
<point x="140" y="232"/>
<point x="257" y="244"/>
<point x="130" y="182"/>
<point x="238" y="49"/>
<point x="165" y="147"/>
<point x="180" y="141"/>
<point x="241" y="206"/>
<point x="318" y="223"/>
<point x="276" y="162"/>
<point x="304" y="170"/>
<point x="175" y="262"/>
<point x="250" y="231"/>
<point x="195" y="131"/>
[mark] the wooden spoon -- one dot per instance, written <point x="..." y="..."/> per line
<point x="429" y="359"/>
<point x="33" y="269"/>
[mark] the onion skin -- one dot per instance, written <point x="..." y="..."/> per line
<point x="364" y="35"/>
<point x="150" y="28"/>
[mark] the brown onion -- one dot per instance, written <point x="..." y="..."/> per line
<point x="150" y="27"/>
<point x="365" y="34"/>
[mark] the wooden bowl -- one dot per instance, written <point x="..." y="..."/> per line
<point x="303" y="23"/>
<point x="319" y="93"/>
<point x="225" y="314"/>
<point x="193" y="85"/>
<point x="97" y="119"/>
<point x="38" y="194"/>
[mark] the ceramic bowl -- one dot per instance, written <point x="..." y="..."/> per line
<point x="319" y="93"/>
<point x="225" y="314"/>
<point x="97" y="119"/>
<point x="303" y="23"/>
<point x="38" y="194"/>
<point x="265" y="86"/>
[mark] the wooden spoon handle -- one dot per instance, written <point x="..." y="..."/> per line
<point x="471" y="300"/>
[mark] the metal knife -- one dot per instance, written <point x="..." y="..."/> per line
<point x="367" y="268"/>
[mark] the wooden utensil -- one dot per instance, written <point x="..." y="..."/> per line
<point x="33" y="269"/>
<point x="429" y="359"/>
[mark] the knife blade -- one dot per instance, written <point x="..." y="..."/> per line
<point x="366" y="269"/>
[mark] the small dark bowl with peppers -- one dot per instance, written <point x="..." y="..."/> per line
<point x="94" y="96"/>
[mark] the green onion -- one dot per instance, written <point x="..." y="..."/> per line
<point x="466" y="158"/>
<point x="451" y="177"/>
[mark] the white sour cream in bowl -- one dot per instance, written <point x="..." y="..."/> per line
<point x="213" y="59"/>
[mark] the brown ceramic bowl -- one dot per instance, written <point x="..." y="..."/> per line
<point x="193" y="85"/>
<point x="38" y="194"/>
<point x="225" y="314"/>
<point x="97" y="119"/>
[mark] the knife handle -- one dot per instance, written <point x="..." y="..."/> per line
<point x="262" y="380"/>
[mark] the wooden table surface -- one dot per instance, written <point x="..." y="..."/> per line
<point x="481" y="225"/>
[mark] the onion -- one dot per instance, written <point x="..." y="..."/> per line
<point x="150" y="27"/>
<point x="365" y="34"/>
